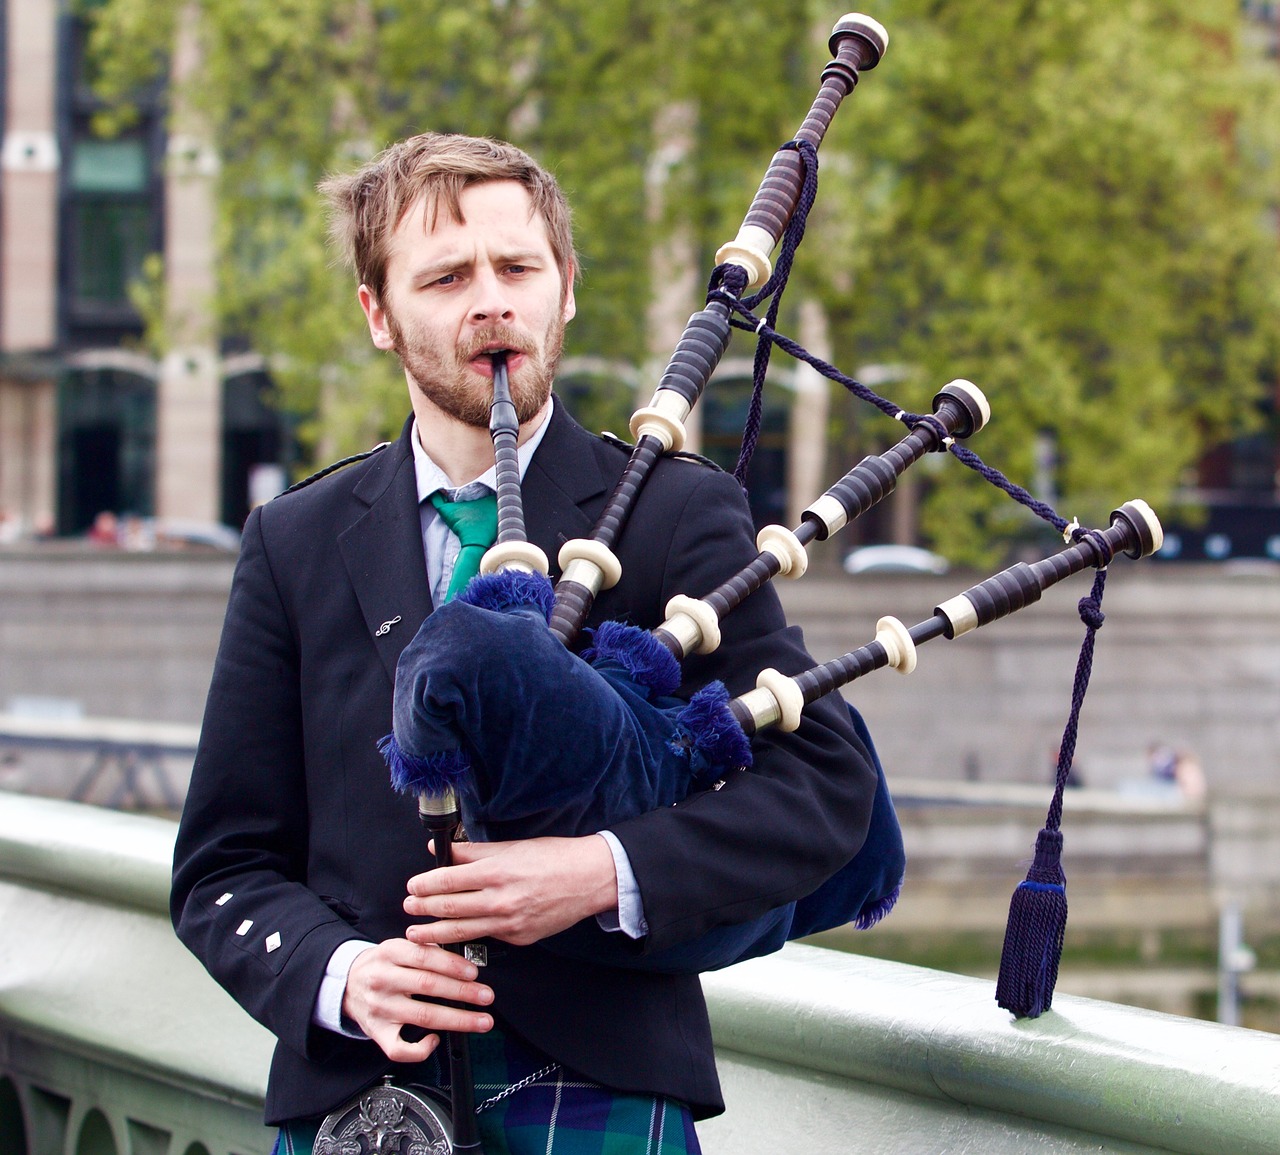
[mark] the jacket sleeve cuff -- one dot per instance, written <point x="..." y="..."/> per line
<point x="629" y="917"/>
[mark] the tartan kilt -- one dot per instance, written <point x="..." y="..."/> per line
<point x="561" y="1113"/>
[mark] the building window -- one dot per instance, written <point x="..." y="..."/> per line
<point x="258" y="445"/>
<point x="112" y="205"/>
<point x="106" y="446"/>
<point x="110" y="227"/>
<point x="725" y="406"/>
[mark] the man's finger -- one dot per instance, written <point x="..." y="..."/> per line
<point x="400" y="952"/>
<point x="432" y="961"/>
<point x="462" y="876"/>
<point x="479" y="903"/>
<point x="446" y="932"/>
<point x="401" y="1050"/>
<point x="435" y="1017"/>
<point x="438" y="987"/>
<point x="472" y="851"/>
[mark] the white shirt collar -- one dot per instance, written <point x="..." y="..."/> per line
<point x="430" y="477"/>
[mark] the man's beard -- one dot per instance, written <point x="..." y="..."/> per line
<point x="446" y="379"/>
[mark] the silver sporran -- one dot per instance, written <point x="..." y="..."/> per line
<point x="388" y="1120"/>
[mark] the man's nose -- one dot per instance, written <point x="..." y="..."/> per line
<point x="491" y="301"/>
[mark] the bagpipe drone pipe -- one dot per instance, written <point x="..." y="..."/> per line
<point x="556" y="742"/>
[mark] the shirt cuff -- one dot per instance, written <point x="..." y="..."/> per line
<point x="327" y="1012"/>
<point x="629" y="917"/>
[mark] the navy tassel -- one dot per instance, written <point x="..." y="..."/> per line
<point x="1038" y="910"/>
<point x="1034" y="935"/>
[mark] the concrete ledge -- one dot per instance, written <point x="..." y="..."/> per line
<point x="86" y="850"/>
<point x="1166" y="1082"/>
<point x="90" y="963"/>
<point x="842" y="1053"/>
<point x="97" y="734"/>
<point x="1035" y="797"/>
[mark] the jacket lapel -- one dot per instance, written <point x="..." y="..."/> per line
<point x="563" y="486"/>
<point x="382" y="552"/>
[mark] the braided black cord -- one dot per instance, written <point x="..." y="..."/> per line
<point x="1037" y="919"/>
<point x="726" y="285"/>
<point x="794" y="349"/>
<point x="775" y="287"/>
<point x="1021" y="496"/>
<point x="794" y="234"/>
<point x="964" y="454"/>
<point x="1091" y="614"/>
<point x="333" y="468"/>
<point x="1038" y="909"/>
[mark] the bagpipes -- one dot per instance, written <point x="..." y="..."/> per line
<point x="614" y="739"/>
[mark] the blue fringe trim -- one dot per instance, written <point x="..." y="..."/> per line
<point x="646" y="660"/>
<point x="433" y="774"/>
<point x="508" y="590"/>
<point x="874" y="912"/>
<point x="709" y="735"/>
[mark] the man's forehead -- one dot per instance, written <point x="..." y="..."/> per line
<point x="432" y="213"/>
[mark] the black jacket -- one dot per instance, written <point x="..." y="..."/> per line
<point x="292" y="839"/>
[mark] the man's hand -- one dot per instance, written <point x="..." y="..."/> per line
<point x="518" y="892"/>
<point x="382" y="992"/>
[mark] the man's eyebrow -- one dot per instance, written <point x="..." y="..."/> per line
<point x="441" y="265"/>
<point x="521" y="257"/>
<point x="449" y="262"/>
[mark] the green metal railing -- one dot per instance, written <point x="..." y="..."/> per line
<point x="113" y="1041"/>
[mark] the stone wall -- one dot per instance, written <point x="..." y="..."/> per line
<point x="128" y="635"/>
<point x="1188" y="656"/>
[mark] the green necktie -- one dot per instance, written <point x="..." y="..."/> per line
<point x="476" y="525"/>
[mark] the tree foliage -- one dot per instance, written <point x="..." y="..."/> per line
<point x="1063" y="201"/>
<point x="297" y="89"/>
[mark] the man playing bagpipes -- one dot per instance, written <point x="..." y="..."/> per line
<point x="302" y="880"/>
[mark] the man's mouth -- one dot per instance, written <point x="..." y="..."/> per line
<point x="483" y="361"/>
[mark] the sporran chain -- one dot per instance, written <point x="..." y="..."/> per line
<point x="518" y="1085"/>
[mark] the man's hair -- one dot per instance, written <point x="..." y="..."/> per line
<point x="366" y="205"/>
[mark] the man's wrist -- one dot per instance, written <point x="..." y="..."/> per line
<point x="327" y="1011"/>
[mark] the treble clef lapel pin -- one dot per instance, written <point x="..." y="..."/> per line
<point x="385" y="628"/>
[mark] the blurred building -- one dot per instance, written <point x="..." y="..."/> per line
<point x="89" y="420"/>
<point x="92" y="422"/>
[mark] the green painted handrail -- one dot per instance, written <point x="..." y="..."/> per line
<point x="90" y="966"/>
<point x="1167" y="1082"/>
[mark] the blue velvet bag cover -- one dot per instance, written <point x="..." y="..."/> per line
<point x="539" y="741"/>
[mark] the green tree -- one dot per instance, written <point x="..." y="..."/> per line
<point x="294" y="90"/>
<point x="1063" y="201"/>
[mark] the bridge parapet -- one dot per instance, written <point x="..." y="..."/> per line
<point x="113" y="1041"/>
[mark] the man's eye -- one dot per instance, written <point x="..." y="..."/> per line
<point x="447" y="279"/>
<point x="517" y="268"/>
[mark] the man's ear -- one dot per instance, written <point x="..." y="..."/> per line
<point x="569" y="308"/>
<point x="376" y="316"/>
